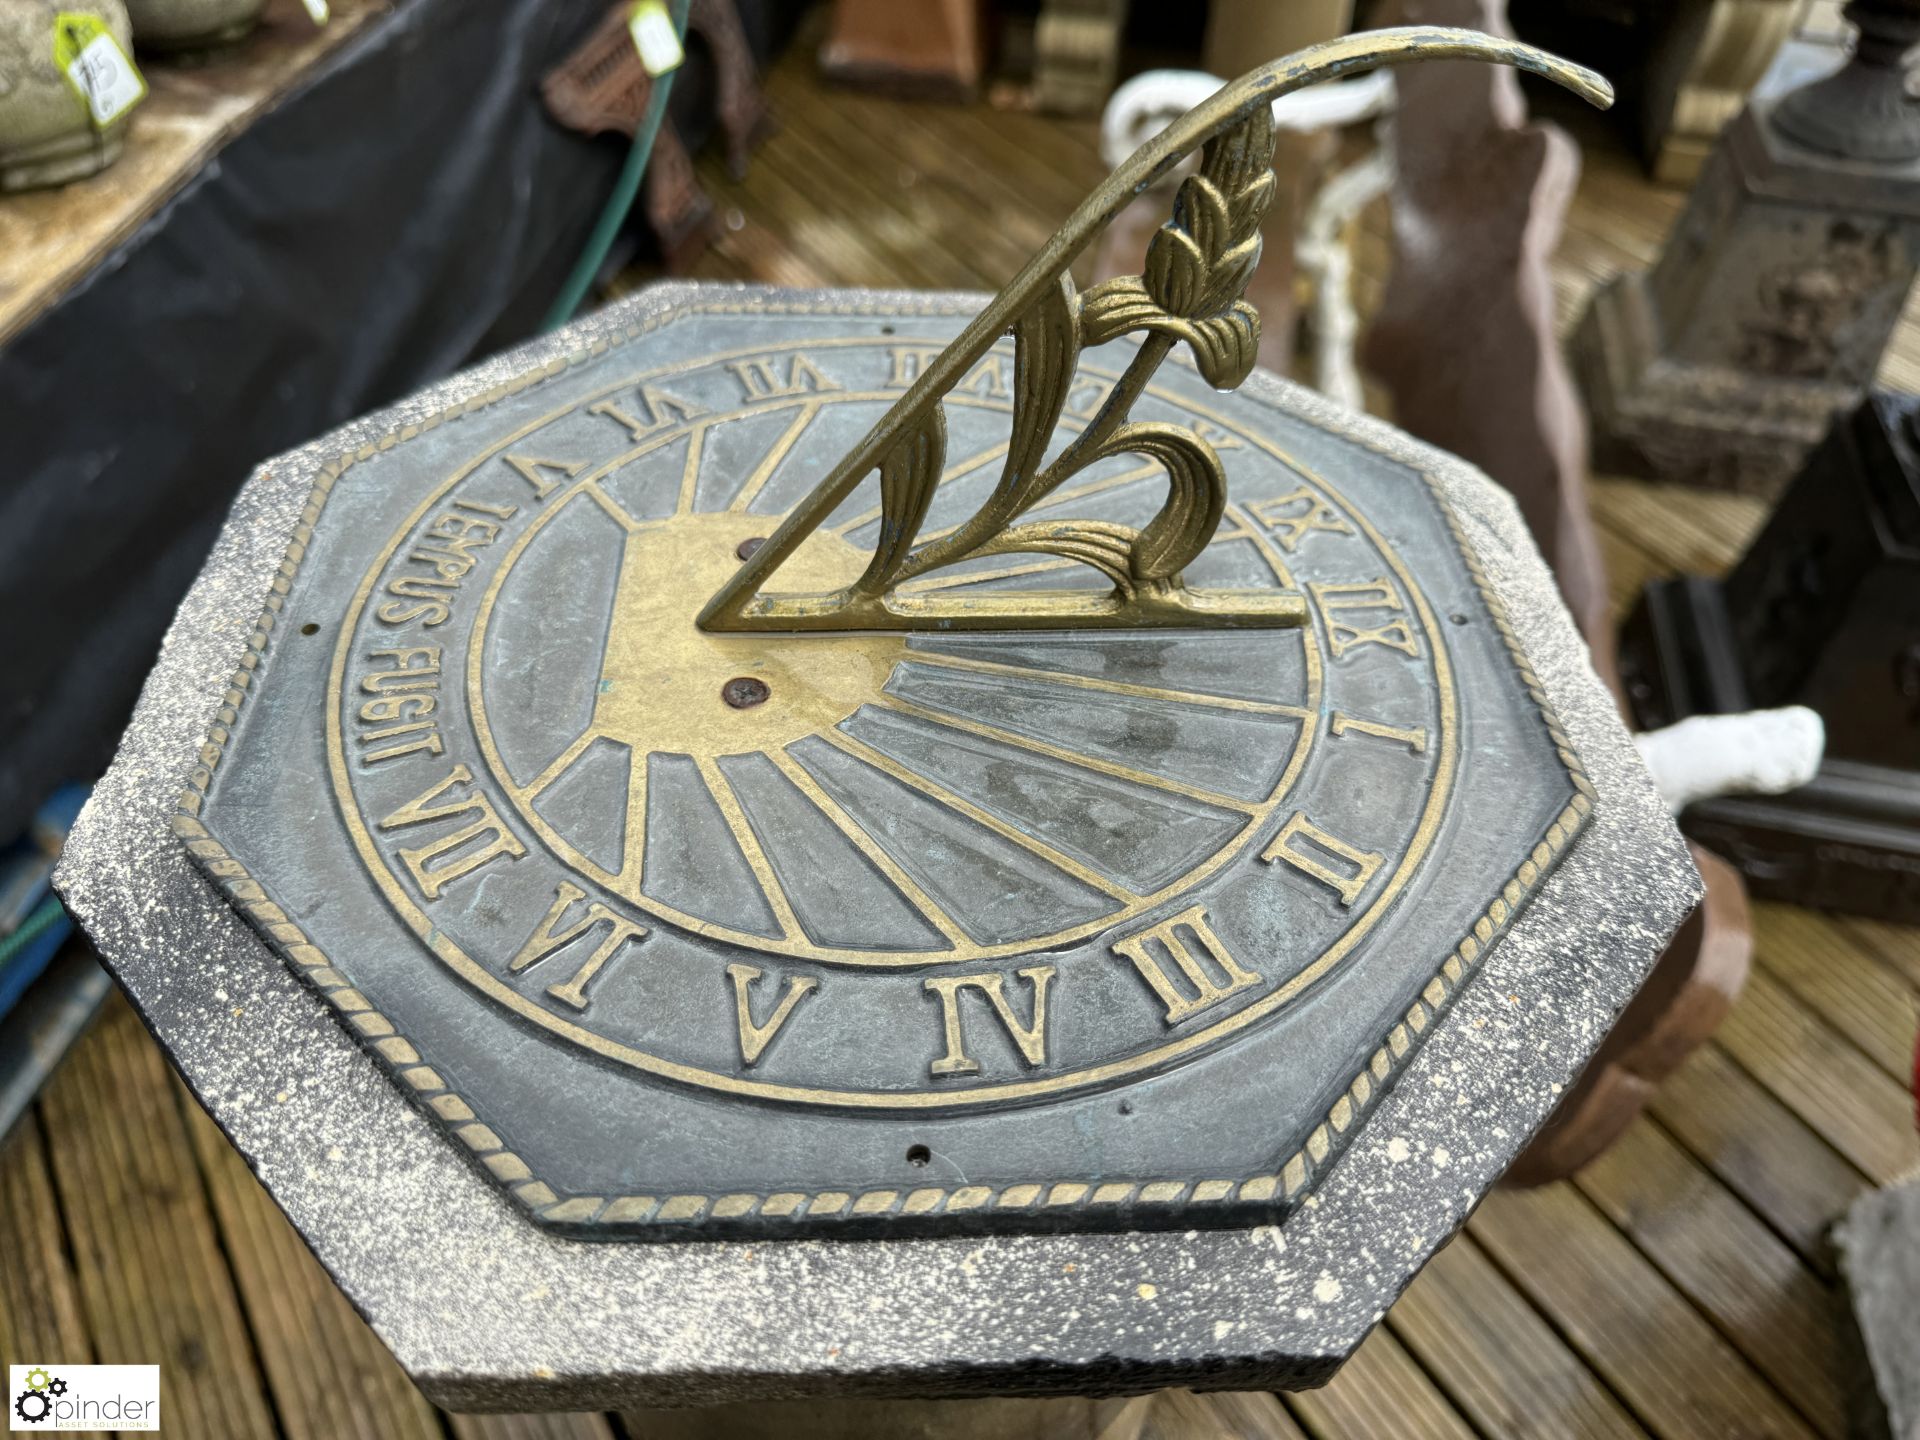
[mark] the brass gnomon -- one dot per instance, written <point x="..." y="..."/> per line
<point x="1192" y="291"/>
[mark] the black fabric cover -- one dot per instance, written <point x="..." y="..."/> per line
<point x="409" y="208"/>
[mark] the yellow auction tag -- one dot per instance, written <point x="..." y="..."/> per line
<point x="652" y="31"/>
<point x="101" y="73"/>
<point x="317" y="9"/>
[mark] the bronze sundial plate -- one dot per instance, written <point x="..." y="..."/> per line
<point x="690" y="935"/>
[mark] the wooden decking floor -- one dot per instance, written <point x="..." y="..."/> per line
<point x="1680" y="1287"/>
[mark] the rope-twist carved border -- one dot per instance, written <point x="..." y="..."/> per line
<point x="1116" y="1202"/>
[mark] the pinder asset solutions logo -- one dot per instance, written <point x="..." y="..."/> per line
<point x="83" y="1397"/>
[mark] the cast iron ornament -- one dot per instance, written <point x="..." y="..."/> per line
<point x="1079" y="829"/>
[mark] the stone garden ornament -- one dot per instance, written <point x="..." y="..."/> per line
<point x="192" y="24"/>
<point x="47" y="134"/>
<point x="784" y="842"/>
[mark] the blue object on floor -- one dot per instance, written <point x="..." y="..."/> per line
<point x="33" y="923"/>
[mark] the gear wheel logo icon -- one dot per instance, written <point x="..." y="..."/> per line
<point x="35" y="1403"/>
<point x="33" y="1406"/>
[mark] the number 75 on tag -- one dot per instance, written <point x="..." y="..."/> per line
<point x="101" y="73"/>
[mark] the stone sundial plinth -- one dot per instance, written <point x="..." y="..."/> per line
<point x="776" y="842"/>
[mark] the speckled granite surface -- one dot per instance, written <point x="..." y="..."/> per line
<point x="486" y="1311"/>
<point x="1879" y="1245"/>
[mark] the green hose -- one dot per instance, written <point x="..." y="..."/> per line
<point x="43" y="918"/>
<point x="624" y="191"/>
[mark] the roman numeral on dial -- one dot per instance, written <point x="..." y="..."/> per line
<point x="1029" y="1035"/>
<point x="1366" y="613"/>
<point x="1207" y="977"/>
<point x="1313" y="851"/>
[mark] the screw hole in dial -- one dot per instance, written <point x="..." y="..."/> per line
<point x="743" y="692"/>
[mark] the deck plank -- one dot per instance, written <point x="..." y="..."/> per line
<point x="899" y="172"/>
<point x="822" y="227"/>
<point x="1682" y="530"/>
<point x="1629" y="568"/>
<point x="1615" y="200"/>
<point x="1757" y="1292"/>
<point x="330" y="1376"/>
<point x="998" y="209"/>
<point x="152" y="1275"/>
<point x="1780" y="1167"/>
<point x="1820" y="1076"/>
<point x="837" y="1419"/>
<point x="1845" y="983"/>
<point x="1680" y="1377"/>
<point x="1382" y="1390"/>
<point x="1897" y="945"/>
<point x="534" y="1427"/>
<point x="1057" y="161"/>
<point x="746" y="250"/>
<point x="961" y="223"/>
<point x="888" y="238"/>
<point x="1244" y="1415"/>
<point x="1497" y="1359"/>
<point x="40" y="1316"/>
<point x="1900" y="362"/>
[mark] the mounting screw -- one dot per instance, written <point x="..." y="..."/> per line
<point x="746" y="547"/>
<point x="743" y="692"/>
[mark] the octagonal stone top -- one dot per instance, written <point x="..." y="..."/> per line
<point x="1401" y="869"/>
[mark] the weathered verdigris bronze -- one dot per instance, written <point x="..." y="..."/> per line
<point x="1097" y="862"/>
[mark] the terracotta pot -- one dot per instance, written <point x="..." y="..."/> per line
<point x="191" y="24"/>
<point x="46" y="134"/>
